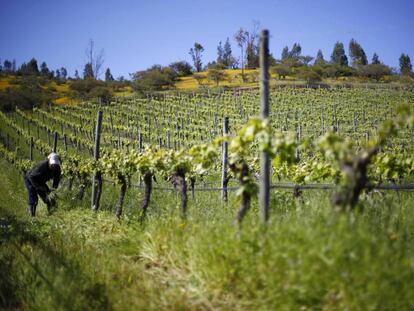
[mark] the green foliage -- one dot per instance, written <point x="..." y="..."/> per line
<point x="181" y="68"/>
<point x="216" y="75"/>
<point x="405" y="64"/>
<point x="357" y="54"/>
<point x="155" y="78"/>
<point x="338" y="56"/>
<point x="27" y="95"/>
<point x="374" y="71"/>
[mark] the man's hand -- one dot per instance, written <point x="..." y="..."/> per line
<point x="43" y="189"/>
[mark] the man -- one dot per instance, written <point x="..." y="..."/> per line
<point x="35" y="181"/>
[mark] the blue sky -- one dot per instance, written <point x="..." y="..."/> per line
<point x="137" y="34"/>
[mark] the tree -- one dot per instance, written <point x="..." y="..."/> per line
<point x="77" y="75"/>
<point x="7" y="66"/>
<point x="252" y="47"/>
<point x="375" y="59"/>
<point x="338" y="56"/>
<point x="1" y="66"/>
<point x="88" y="71"/>
<point x="241" y="39"/>
<point x="281" y="70"/>
<point x="310" y="76"/>
<point x="181" y="68"/>
<point x="216" y="75"/>
<point x="13" y="68"/>
<point x="156" y="78"/>
<point x="375" y="71"/>
<point x="94" y="61"/>
<point x="357" y="54"/>
<point x="405" y="64"/>
<point x="44" y="70"/>
<point x="108" y="75"/>
<point x="228" y="59"/>
<point x="319" y="60"/>
<point x="220" y="53"/>
<point x="196" y="56"/>
<point x="296" y="51"/>
<point x="31" y="67"/>
<point x="57" y="75"/>
<point x="285" y="53"/>
<point x="63" y="73"/>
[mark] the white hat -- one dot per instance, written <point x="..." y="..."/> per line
<point x="53" y="159"/>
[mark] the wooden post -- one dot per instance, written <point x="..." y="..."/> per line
<point x="31" y="149"/>
<point x="55" y="142"/>
<point x="264" y="186"/>
<point x="65" y="143"/>
<point x="48" y="137"/>
<point x="97" y="178"/>
<point x="224" y="161"/>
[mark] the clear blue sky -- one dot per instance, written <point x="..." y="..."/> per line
<point x="137" y="34"/>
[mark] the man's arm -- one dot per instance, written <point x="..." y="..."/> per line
<point x="56" y="178"/>
<point x="36" y="173"/>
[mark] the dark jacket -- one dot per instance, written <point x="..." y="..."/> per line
<point x="41" y="173"/>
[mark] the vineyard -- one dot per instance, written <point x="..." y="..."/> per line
<point x="178" y="170"/>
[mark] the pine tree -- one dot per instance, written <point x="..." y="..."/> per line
<point x="405" y="64"/>
<point x="32" y="67"/>
<point x="228" y="58"/>
<point x="357" y="54"/>
<point x="63" y="73"/>
<point x="108" y="75"/>
<point x="285" y="53"/>
<point x="77" y="75"/>
<point x="196" y="56"/>
<point x="44" y="70"/>
<point x="220" y="54"/>
<point x="296" y="50"/>
<point x="338" y="56"/>
<point x="319" y="60"/>
<point x="7" y="66"/>
<point x="88" y="71"/>
<point x="375" y="59"/>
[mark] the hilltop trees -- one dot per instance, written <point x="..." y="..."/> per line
<point x="155" y="78"/>
<point x="108" y="75"/>
<point x="319" y="60"/>
<point x="338" y="56"/>
<point x="224" y="55"/>
<point x="95" y="61"/>
<point x="405" y="64"/>
<point x="195" y="53"/>
<point x="375" y="59"/>
<point x="181" y="68"/>
<point x="357" y="54"/>
<point x="88" y="71"/>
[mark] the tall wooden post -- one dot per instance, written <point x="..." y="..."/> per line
<point x="97" y="178"/>
<point x="65" y="142"/>
<point x="264" y="186"/>
<point x="55" y="142"/>
<point x="31" y="149"/>
<point x="224" y="161"/>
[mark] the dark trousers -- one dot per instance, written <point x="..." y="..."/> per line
<point x="34" y="193"/>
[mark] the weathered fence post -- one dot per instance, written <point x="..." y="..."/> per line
<point x="97" y="178"/>
<point x="31" y="149"/>
<point x="55" y="142"/>
<point x="264" y="185"/>
<point x="224" y="177"/>
<point x="65" y="142"/>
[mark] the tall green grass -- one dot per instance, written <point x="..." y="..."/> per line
<point x="307" y="258"/>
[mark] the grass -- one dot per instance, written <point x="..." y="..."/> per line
<point x="308" y="257"/>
